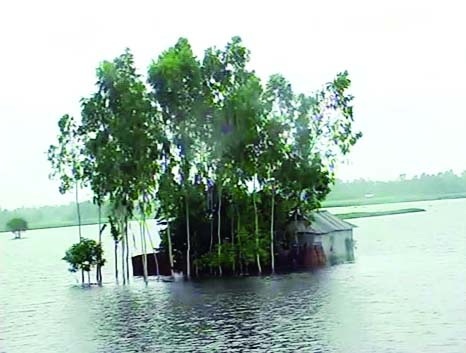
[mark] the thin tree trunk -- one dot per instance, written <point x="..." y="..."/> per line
<point x="157" y="270"/>
<point x="116" y="261"/>
<point x="211" y="233"/>
<point x="211" y="239"/>
<point x="210" y="203"/>
<point x="127" y="250"/>
<point x="123" y="245"/>
<point x="82" y="277"/>
<point x="170" y="251"/>
<point x="272" y="255"/>
<point x="219" y="226"/>
<point x="144" y="250"/>
<point x="188" y="240"/>
<point x="98" y="269"/>
<point x="89" y="278"/>
<point x="240" y="255"/>
<point x="233" y="238"/>
<point x="78" y="211"/>
<point x="256" y="225"/>
<point x="295" y="232"/>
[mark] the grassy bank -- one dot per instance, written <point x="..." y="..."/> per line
<point x="378" y="213"/>
<point x="390" y="199"/>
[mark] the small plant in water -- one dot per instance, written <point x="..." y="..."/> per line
<point x="83" y="256"/>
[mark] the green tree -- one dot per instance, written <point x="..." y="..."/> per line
<point x="176" y="80"/>
<point x="66" y="160"/>
<point x="83" y="256"/>
<point x="121" y="137"/>
<point x="16" y="226"/>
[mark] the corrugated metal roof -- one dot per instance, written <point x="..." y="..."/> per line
<point x="324" y="222"/>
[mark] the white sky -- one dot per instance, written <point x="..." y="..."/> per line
<point x="407" y="61"/>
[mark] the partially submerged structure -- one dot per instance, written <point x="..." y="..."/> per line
<point x="309" y="241"/>
<point x="321" y="234"/>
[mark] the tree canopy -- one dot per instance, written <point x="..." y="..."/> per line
<point x="84" y="255"/>
<point x="206" y="146"/>
<point x="16" y="226"/>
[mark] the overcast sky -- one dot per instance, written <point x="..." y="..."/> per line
<point x="407" y="61"/>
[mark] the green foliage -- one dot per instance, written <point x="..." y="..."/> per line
<point x="220" y="155"/>
<point x="84" y="255"/>
<point x="16" y="226"/>
<point x="65" y="157"/>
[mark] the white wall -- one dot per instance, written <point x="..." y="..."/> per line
<point x="335" y="241"/>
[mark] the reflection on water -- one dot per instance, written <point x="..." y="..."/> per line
<point x="404" y="293"/>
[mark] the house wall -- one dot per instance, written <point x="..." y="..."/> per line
<point x="335" y="245"/>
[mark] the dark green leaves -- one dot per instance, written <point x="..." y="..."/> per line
<point x="84" y="255"/>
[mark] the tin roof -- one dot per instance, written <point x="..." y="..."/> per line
<point x="323" y="222"/>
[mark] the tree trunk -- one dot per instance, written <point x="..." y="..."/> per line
<point x="240" y="255"/>
<point x="98" y="269"/>
<point x="211" y="233"/>
<point x="219" y="226"/>
<point x="123" y="259"/>
<point x="295" y="232"/>
<point x="272" y="255"/>
<point x="170" y="251"/>
<point x="144" y="250"/>
<point x="211" y="238"/>
<point x="82" y="277"/>
<point x="127" y="250"/>
<point x="116" y="261"/>
<point x="256" y="230"/>
<point x="188" y="240"/>
<point x="233" y="237"/>
<point x="157" y="270"/>
<point x="78" y="211"/>
<point x="89" y="278"/>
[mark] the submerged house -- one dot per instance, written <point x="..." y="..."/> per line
<point x="320" y="238"/>
<point x="310" y="241"/>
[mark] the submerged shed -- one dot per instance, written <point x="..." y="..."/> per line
<point x="326" y="231"/>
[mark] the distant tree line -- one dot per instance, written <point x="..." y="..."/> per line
<point x="53" y="216"/>
<point x="424" y="186"/>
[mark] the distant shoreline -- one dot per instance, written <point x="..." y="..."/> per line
<point x="66" y="225"/>
<point x="352" y="215"/>
<point x="388" y="200"/>
<point x="330" y="204"/>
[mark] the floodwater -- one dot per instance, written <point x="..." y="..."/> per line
<point x="405" y="292"/>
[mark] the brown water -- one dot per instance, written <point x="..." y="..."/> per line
<point x="406" y="292"/>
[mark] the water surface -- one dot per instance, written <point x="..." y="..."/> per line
<point x="405" y="292"/>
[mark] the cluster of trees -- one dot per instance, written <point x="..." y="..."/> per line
<point x="208" y="149"/>
<point x="424" y="186"/>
